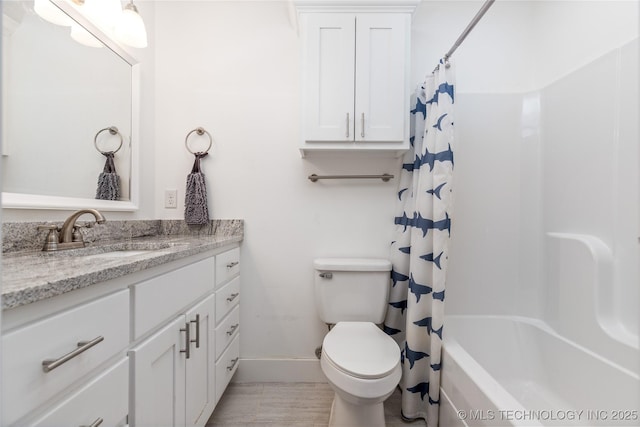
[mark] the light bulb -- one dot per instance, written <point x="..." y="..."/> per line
<point x="84" y="37"/>
<point x="50" y="12"/>
<point x="131" y="30"/>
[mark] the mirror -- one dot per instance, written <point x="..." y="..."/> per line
<point x="59" y="98"/>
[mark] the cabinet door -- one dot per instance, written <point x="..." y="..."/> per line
<point x="158" y="387"/>
<point x="200" y="367"/>
<point x="381" y="58"/>
<point x="329" y="46"/>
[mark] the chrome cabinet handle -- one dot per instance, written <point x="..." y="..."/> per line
<point x="232" y="264"/>
<point x="232" y="329"/>
<point x="233" y="364"/>
<point x="347" y="125"/>
<point x="362" y="124"/>
<point x="197" y="322"/>
<point x="187" y="340"/>
<point x="233" y="296"/>
<point x="326" y="275"/>
<point x="51" y="364"/>
<point x="96" y="423"/>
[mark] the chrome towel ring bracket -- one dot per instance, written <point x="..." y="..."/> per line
<point x="113" y="131"/>
<point x="200" y="131"/>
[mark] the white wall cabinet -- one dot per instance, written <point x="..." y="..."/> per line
<point x="158" y="364"/>
<point x="355" y="80"/>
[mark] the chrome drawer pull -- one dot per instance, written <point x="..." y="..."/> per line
<point x="232" y="264"/>
<point x="232" y="329"/>
<point x="197" y="322"/>
<point x="49" y="364"/>
<point x="96" y="423"/>
<point x="233" y="364"/>
<point x="187" y="340"/>
<point x="233" y="296"/>
<point x="362" y="129"/>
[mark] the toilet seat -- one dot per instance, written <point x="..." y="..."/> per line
<point x="361" y="350"/>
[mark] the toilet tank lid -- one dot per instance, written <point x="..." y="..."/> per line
<point x="352" y="264"/>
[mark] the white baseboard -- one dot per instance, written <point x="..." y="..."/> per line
<point x="279" y="370"/>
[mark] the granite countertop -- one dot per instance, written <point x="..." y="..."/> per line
<point x="30" y="276"/>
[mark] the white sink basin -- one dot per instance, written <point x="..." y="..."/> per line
<point x="118" y="254"/>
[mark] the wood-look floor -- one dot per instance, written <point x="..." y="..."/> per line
<point x="287" y="405"/>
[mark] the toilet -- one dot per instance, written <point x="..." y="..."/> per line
<point x="360" y="361"/>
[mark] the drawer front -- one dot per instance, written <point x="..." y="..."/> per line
<point x="26" y="385"/>
<point x="227" y="331"/>
<point x="105" y="397"/>
<point x="227" y="298"/>
<point x="226" y="366"/>
<point x="227" y="265"/>
<point x="159" y="298"/>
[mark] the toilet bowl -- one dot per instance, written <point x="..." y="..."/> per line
<point x="362" y="365"/>
<point x="360" y="361"/>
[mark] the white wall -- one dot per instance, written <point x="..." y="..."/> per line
<point x="240" y="82"/>
<point x="233" y="68"/>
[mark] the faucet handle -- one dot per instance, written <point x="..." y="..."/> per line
<point x="51" y="242"/>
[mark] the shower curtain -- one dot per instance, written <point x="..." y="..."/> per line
<point x="420" y="248"/>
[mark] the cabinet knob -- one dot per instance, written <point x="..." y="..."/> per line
<point x="233" y="296"/>
<point x="232" y="264"/>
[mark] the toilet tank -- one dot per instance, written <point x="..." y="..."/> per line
<point x="352" y="289"/>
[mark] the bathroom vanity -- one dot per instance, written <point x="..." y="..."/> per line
<point x="144" y="332"/>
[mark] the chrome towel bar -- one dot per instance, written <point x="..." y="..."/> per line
<point x="385" y="177"/>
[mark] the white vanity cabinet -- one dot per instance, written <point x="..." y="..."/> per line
<point x="77" y="355"/>
<point x="175" y="368"/>
<point x="355" y="66"/>
<point x="171" y="368"/>
<point x="227" y="318"/>
<point x="156" y="347"/>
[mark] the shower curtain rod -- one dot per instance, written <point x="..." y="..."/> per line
<point x="467" y="30"/>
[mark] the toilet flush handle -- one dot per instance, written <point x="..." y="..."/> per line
<point x="326" y="275"/>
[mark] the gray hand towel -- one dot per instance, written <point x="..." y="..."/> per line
<point x="195" y="204"/>
<point x="108" y="181"/>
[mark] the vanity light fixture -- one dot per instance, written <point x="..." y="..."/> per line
<point x="125" y="24"/>
<point x="104" y="13"/>
<point x="131" y="30"/>
<point x="84" y="37"/>
<point x="50" y="12"/>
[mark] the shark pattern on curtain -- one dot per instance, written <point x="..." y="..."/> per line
<point x="419" y="251"/>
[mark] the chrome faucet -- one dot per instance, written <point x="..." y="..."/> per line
<point x="70" y="236"/>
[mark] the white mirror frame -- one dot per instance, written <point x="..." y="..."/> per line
<point x="37" y="201"/>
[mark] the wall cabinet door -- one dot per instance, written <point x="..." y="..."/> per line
<point x="380" y="105"/>
<point x="354" y="68"/>
<point x="158" y="387"/>
<point x="329" y="70"/>
<point x="200" y="398"/>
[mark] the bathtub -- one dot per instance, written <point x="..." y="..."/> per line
<point x="514" y="371"/>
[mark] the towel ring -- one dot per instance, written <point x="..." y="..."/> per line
<point x="113" y="131"/>
<point x="199" y="131"/>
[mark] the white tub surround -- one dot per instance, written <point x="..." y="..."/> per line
<point x="515" y="371"/>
